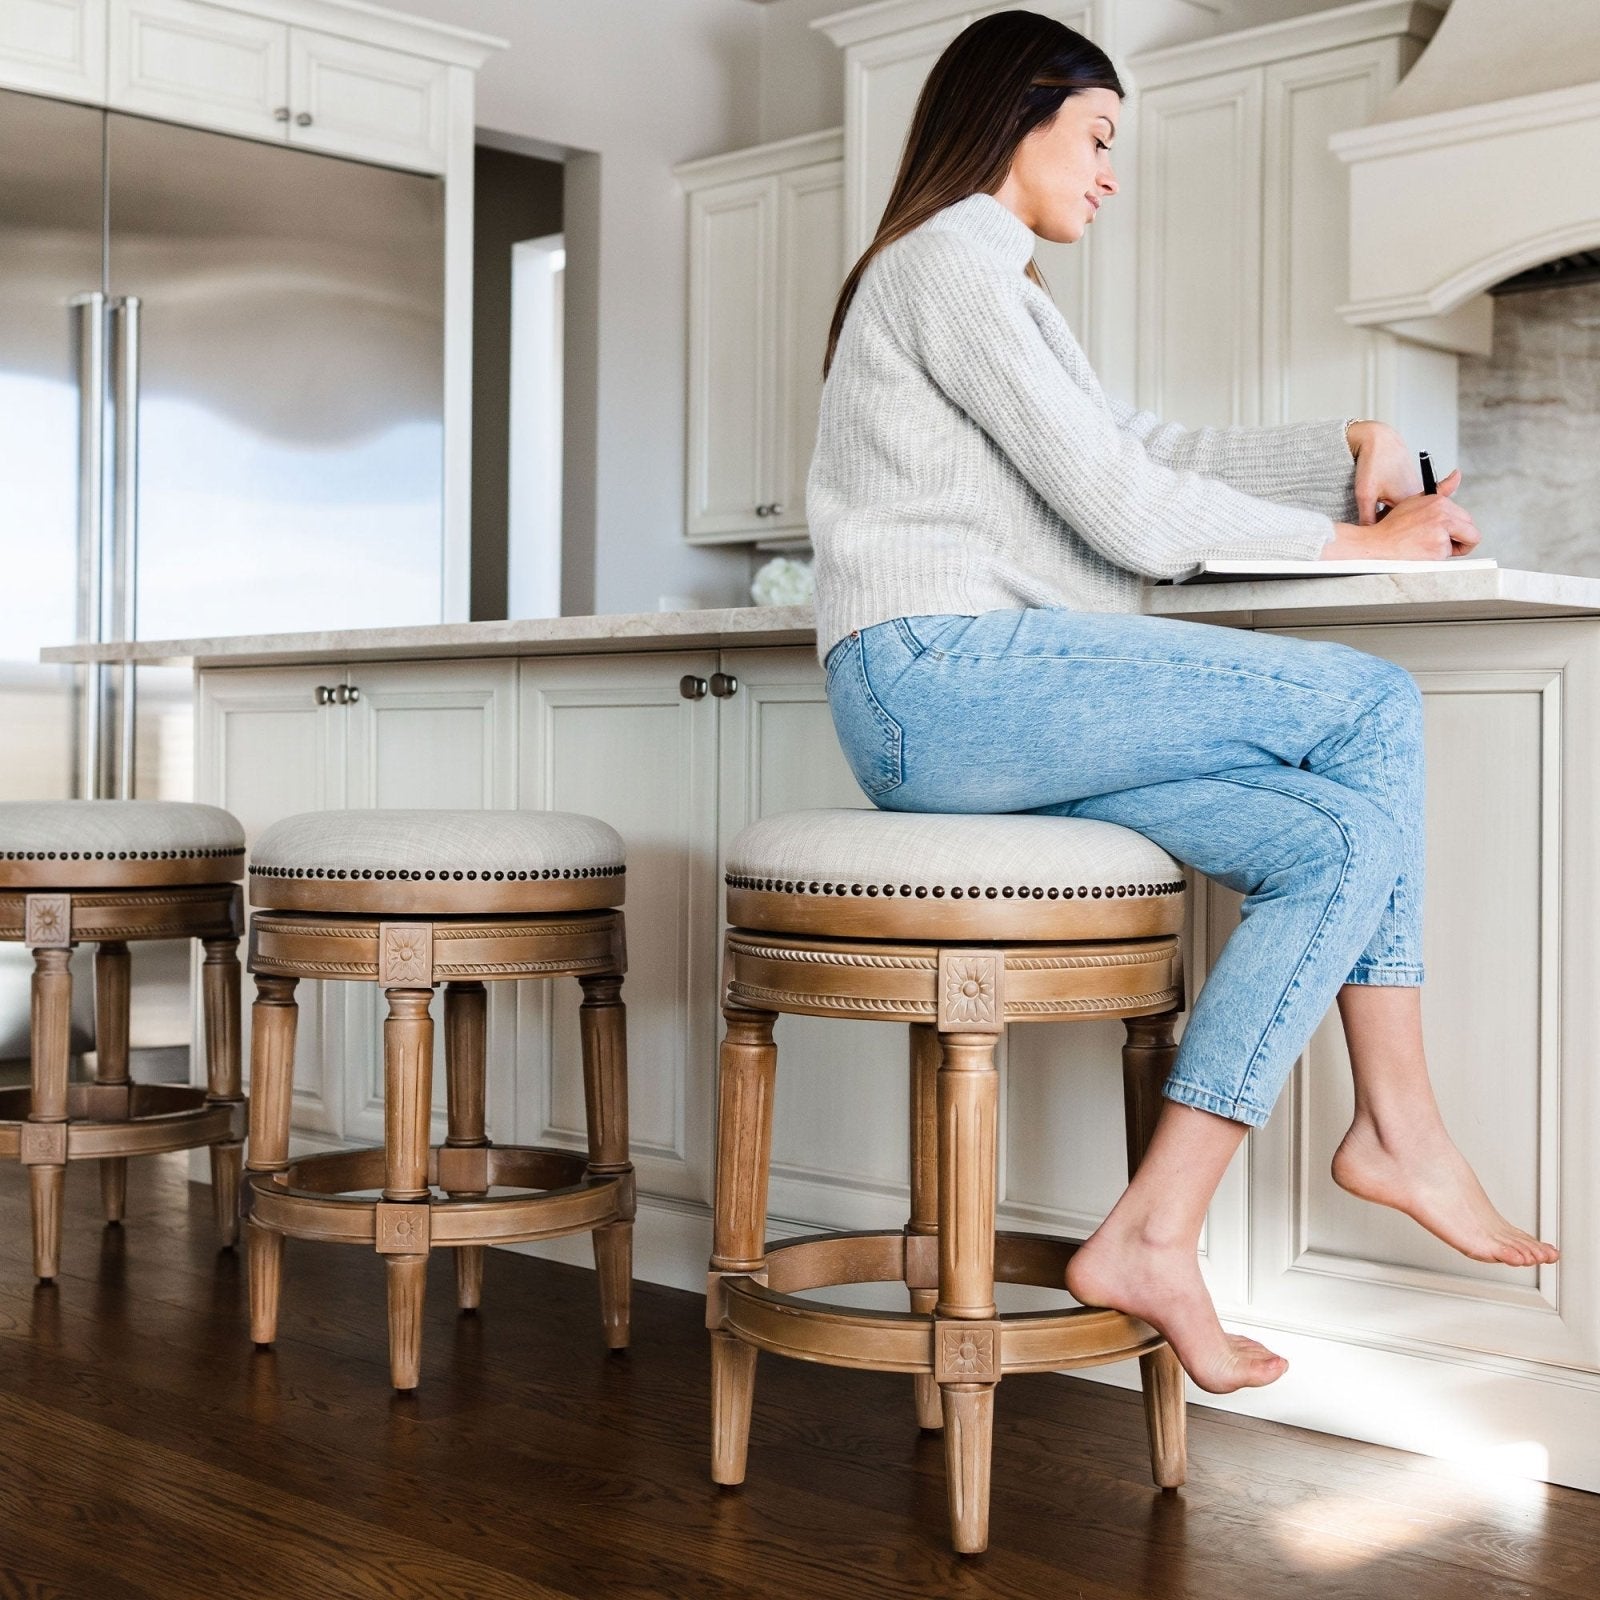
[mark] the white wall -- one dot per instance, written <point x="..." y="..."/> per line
<point x="641" y="85"/>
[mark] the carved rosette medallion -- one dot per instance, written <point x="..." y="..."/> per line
<point x="966" y="1352"/>
<point x="405" y="955"/>
<point x="969" y="991"/>
<point x="48" y="921"/>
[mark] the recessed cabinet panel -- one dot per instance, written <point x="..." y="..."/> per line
<point x="811" y="221"/>
<point x="839" y="1150"/>
<point x="613" y="737"/>
<point x="269" y="750"/>
<point x="54" y="47"/>
<point x="430" y="736"/>
<point x="1200" y="251"/>
<point x="200" y="64"/>
<point x="1316" y="363"/>
<point x="733" y="277"/>
<point x="376" y="105"/>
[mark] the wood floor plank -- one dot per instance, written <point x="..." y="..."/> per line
<point x="178" y="1461"/>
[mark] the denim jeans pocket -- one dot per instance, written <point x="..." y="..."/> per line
<point x="868" y="735"/>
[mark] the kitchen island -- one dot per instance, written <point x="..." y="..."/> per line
<point x="680" y="728"/>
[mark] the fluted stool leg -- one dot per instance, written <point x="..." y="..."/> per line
<point x="44" y="1137"/>
<point x="746" y="1075"/>
<point x="402" y="1217"/>
<point x="219" y="999"/>
<point x="604" y="1026"/>
<point x="967" y="1338"/>
<point x="272" y="1029"/>
<point x="466" y="1010"/>
<point x="924" y="1219"/>
<point x="1147" y="1057"/>
<point x="112" y="1002"/>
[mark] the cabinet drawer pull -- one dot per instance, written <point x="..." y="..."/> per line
<point x="324" y="695"/>
<point x="347" y="694"/>
<point x="724" y="685"/>
<point x="303" y="120"/>
<point x="281" y="114"/>
<point x="691" y="687"/>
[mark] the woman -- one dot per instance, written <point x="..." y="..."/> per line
<point x="985" y="518"/>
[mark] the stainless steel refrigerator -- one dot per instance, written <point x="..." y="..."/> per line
<point x="221" y="381"/>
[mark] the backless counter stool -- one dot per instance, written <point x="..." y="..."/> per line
<point x="956" y="925"/>
<point x="408" y="900"/>
<point x="107" y="872"/>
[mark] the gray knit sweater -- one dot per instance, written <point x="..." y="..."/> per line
<point x="968" y="460"/>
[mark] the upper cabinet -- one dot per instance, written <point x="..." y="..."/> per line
<point x="54" y="47"/>
<point x="1243" y="228"/>
<point x="347" y="80"/>
<point x="765" y="265"/>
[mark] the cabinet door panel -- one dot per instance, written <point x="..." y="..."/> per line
<point x="431" y="736"/>
<point x="54" y="47"/>
<point x="1316" y="363"/>
<point x="1505" y="1034"/>
<point x="840" y="1126"/>
<point x="732" y="356"/>
<point x="1200" y="250"/>
<point x="810" y="227"/>
<point x="199" y="64"/>
<point x="614" y="738"/>
<point x="271" y="751"/>
<point x="365" y="102"/>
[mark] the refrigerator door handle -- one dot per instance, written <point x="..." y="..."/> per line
<point x="123" y="622"/>
<point x="89" y="311"/>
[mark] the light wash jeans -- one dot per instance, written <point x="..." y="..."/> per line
<point x="1289" y="769"/>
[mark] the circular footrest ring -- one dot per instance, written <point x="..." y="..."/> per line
<point x="132" y="1119"/>
<point x="312" y="1198"/>
<point x="772" y="1316"/>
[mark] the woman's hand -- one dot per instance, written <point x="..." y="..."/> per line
<point x="1421" y="527"/>
<point x="1387" y="471"/>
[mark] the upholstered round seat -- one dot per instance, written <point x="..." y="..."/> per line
<point x="437" y="863"/>
<point x="114" y="844"/>
<point x="921" y="875"/>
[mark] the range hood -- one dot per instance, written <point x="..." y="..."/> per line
<point x="1482" y="163"/>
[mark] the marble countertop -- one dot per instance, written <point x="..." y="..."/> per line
<point x="1478" y="594"/>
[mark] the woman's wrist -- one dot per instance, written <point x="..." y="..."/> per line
<point x="1357" y="431"/>
<point x="1349" y="543"/>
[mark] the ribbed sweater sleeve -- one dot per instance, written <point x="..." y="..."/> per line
<point x="964" y="317"/>
<point x="1299" y="463"/>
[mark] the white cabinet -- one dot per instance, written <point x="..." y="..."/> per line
<point x="354" y="99"/>
<point x="54" y="47"/>
<point x="216" y="67"/>
<point x="1243" y="228"/>
<point x="765" y="264"/>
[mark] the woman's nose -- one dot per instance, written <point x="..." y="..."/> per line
<point x="1108" y="180"/>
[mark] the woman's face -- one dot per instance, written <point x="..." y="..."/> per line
<point x="1061" y="172"/>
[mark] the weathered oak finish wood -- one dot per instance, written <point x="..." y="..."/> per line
<point x="958" y="998"/>
<point x="52" y="1123"/>
<point x="321" y="1196"/>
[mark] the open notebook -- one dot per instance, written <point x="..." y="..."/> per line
<point x="1232" y="569"/>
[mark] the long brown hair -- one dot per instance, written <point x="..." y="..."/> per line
<point x="998" y="79"/>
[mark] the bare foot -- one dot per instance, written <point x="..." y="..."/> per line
<point x="1423" y="1174"/>
<point x="1161" y="1284"/>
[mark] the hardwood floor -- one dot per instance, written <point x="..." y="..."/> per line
<point x="147" y="1450"/>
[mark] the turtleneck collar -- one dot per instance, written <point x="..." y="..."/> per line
<point x="991" y="223"/>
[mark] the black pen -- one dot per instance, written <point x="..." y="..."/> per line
<point x="1428" y="485"/>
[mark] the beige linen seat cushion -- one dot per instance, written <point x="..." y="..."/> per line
<point x="113" y="844"/>
<point x="920" y="875"/>
<point x="437" y="863"/>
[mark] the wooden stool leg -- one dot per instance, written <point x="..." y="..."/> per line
<point x="272" y="1029"/>
<point x="466" y="1010"/>
<point x="219" y="997"/>
<point x="44" y="1139"/>
<point x="967" y="1359"/>
<point x="745" y="1078"/>
<point x="407" y="1104"/>
<point x="1147" y="1058"/>
<point x="112" y="999"/>
<point x="603" y="1021"/>
<point x="924" y="1219"/>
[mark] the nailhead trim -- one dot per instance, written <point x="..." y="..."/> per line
<point x="122" y="855"/>
<point x="411" y="875"/>
<point x="956" y="892"/>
